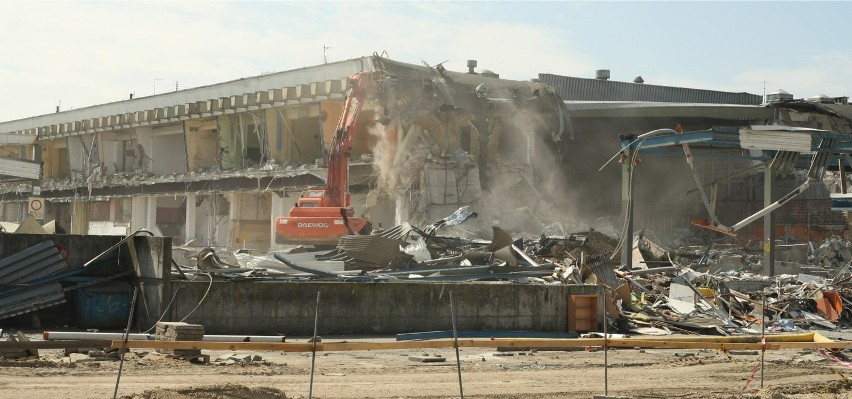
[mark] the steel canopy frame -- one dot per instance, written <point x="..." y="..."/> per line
<point x="708" y="143"/>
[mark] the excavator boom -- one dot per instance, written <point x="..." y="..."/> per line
<point x="321" y="216"/>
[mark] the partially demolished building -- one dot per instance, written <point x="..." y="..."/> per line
<point x="215" y="165"/>
<point x="603" y="111"/>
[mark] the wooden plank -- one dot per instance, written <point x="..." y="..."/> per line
<point x="668" y="343"/>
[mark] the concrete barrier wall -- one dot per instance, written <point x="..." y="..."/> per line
<point x="270" y="307"/>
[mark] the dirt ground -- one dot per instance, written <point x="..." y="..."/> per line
<point x="486" y="373"/>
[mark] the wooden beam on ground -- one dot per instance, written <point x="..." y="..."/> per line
<point x="719" y="343"/>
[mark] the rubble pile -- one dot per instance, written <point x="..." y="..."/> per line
<point x="834" y="253"/>
<point x="719" y="288"/>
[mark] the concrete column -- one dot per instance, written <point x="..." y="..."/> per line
<point x="234" y="217"/>
<point x="80" y="217"/>
<point x="114" y="209"/>
<point x="277" y="208"/>
<point x="768" y="223"/>
<point x="151" y="216"/>
<point x="627" y="210"/>
<point x="189" y="226"/>
<point x="138" y="209"/>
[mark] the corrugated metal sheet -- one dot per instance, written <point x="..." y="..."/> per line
<point x="374" y="250"/>
<point x="31" y="299"/>
<point x="603" y="269"/>
<point x="583" y="89"/>
<point x="308" y="260"/>
<point x="37" y="261"/>
<point x="34" y="263"/>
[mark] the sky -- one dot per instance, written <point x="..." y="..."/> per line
<point x="78" y="54"/>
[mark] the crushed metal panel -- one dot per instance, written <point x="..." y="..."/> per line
<point x="501" y="239"/>
<point x="602" y="267"/>
<point x="376" y="250"/>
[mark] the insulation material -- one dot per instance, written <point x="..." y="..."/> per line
<point x="775" y="140"/>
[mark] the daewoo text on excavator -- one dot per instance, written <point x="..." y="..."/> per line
<point x="323" y="215"/>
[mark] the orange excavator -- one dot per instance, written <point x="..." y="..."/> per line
<point x="323" y="215"/>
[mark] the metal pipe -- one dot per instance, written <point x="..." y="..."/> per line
<point x="762" y="338"/>
<point x="97" y="336"/>
<point x="773" y="206"/>
<point x="606" y="348"/>
<point x="314" y="349"/>
<point x="456" y="344"/>
<point x="126" y="334"/>
<point x="118" y="244"/>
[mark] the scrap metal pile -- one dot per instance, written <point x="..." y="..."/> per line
<point x="715" y="289"/>
<point x="409" y="253"/>
<point x="721" y="290"/>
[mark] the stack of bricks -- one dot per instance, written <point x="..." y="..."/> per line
<point x="179" y="331"/>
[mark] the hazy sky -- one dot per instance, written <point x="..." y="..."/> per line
<point x="87" y="53"/>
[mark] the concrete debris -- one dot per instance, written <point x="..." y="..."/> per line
<point x="707" y="289"/>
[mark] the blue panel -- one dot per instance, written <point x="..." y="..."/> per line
<point x="841" y="204"/>
<point x="104" y="305"/>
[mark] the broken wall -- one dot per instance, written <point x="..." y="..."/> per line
<point x="201" y="144"/>
<point x="83" y="155"/>
<point x="168" y="150"/>
<point x="55" y="159"/>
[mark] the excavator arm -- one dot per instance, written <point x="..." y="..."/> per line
<point x="322" y="215"/>
<point x="341" y="143"/>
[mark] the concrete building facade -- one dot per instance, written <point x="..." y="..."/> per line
<point x="216" y="165"/>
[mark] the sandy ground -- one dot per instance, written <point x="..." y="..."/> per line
<point x="486" y="373"/>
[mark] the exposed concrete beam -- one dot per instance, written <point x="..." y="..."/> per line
<point x="319" y="90"/>
<point x="303" y="92"/>
<point x="216" y="106"/>
<point x="252" y="100"/>
<point x="227" y="104"/>
<point x="264" y="99"/>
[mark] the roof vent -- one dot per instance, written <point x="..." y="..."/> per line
<point x="489" y="74"/>
<point x="639" y="80"/>
<point x="602" y="74"/>
<point x="471" y="64"/>
<point x="822" y="99"/>
<point x="778" y="95"/>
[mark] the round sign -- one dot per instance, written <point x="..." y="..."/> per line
<point x="35" y="205"/>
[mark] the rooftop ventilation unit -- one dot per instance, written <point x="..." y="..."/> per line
<point x="471" y="64"/>
<point x="602" y="74"/>
<point x="778" y="95"/>
<point x="639" y="80"/>
<point x="822" y="99"/>
<point x="489" y="74"/>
